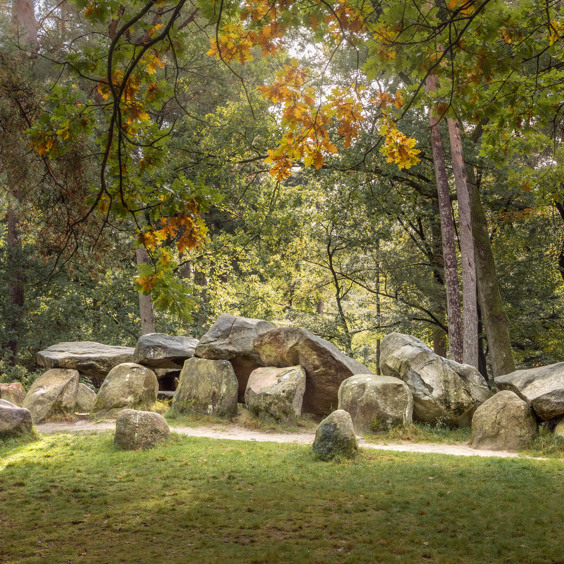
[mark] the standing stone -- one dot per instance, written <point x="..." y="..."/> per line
<point x="276" y="392"/>
<point x="158" y="350"/>
<point x="231" y="338"/>
<point x="92" y="359"/>
<point x="542" y="387"/>
<point x="376" y="403"/>
<point x="208" y="387"/>
<point x="127" y="386"/>
<point x="14" y="420"/>
<point x="504" y="422"/>
<point x="325" y="365"/>
<point x="52" y="395"/>
<point x="442" y="389"/>
<point x="85" y="399"/>
<point x="140" y="430"/>
<point x="335" y="437"/>
<point x="14" y="393"/>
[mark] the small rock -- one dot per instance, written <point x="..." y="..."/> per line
<point x="14" y="420"/>
<point x="504" y="422"/>
<point x="276" y="392"/>
<point x="335" y="437"/>
<point x="140" y="430"/>
<point x="14" y="393"/>
<point x="376" y="403"/>
<point x="559" y="429"/>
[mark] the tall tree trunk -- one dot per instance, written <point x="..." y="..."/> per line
<point x="438" y="263"/>
<point x="454" y="314"/>
<point x="146" y="312"/>
<point x="24" y="24"/>
<point x="16" y="277"/>
<point x="469" y="292"/>
<point x="495" y="320"/>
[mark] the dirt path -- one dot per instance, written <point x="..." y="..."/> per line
<point x="236" y="433"/>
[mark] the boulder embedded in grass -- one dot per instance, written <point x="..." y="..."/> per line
<point x="207" y="387"/>
<point x="504" y="422"/>
<point x="276" y="392"/>
<point x="376" y="403"/>
<point x="127" y="386"/>
<point x="14" y="420"/>
<point x="335" y="437"/>
<point x="140" y="430"/>
<point x="52" y="395"/>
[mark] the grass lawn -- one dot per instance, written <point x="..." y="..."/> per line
<point x="72" y="498"/>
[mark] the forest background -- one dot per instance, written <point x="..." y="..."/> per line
<point x="165" y="162"/>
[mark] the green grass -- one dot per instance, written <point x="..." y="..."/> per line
<point x="71" y="498"/>
<point x="423" y="433"/>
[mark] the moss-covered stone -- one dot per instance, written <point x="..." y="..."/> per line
<point x="140" y="430"/>
<point x="208" y="387"/>
<point x="335" y="437"/>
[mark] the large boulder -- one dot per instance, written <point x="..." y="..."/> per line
<point x="14" y="393"/>
<point x="158" y="350"/>
<point x="559" y="429"/>
<point x="376" y="403"/>
<point x="52" y="395"/>
<point x="503" y="422"/>
<point x="140" y="430"/>
<point x="127" y="386"/>
<point x="335" y="437"/>
<point x="14" y="420"/>
<point x="85" y="399"/>
<point x="89" y="358"/>
<point x="276" y="392"/>
<point x="442" y="389"/>
<point x="207" y="387"/>
<point x="231" y="338"/>
<point x="325" y="365"/>
<point x="542" y="387"/>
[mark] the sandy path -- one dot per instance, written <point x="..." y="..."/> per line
<point x="235" y="433"/>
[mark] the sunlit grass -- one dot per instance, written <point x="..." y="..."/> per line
<point x="71" y="498"/>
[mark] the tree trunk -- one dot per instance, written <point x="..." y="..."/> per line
<point x="437" y="261"/>
<point x="454" y="314"/>
<point x="24" y="23"/>
<point x="495" y="320"/>
<point x="469" y="292"/>
<point x="146" y="312"/>
<point x="16" y="277"/>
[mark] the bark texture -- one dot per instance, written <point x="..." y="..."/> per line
<point x="469" y="291"/>
<point x="146" y="312"/>
<point x="454" y="314"/>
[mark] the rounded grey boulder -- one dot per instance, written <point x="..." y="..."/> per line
<point x="14" y="420"/>
<point x="441" y="388"/>
<point x="52" y="395"/>
<point x="376" y="403"/>
<point x="276" y="392"/>
<point x="208" y="387"/>
<point x="140" y="430"/>
<point x="335" y="437"/>
<point x="158" y="350"/>
<point x="504" y="422"/>
<point x="127" y="386"/>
